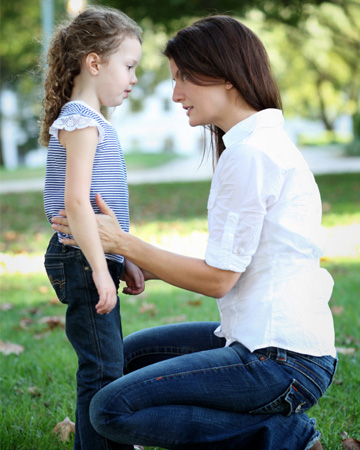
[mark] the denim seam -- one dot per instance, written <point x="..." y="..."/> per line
<point x="92" y="322"/>
<point x="180" y="374"/>
<point x="309" y="374"/>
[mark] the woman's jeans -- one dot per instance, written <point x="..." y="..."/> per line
<point x="97" y="339"/>
<point x="184" y="390"/>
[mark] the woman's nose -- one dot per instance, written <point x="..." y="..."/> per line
<point x="177" y="94"/>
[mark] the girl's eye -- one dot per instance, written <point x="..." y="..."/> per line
<point x="130" y="67"/>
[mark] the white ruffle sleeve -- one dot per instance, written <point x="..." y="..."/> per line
<point x="75" y="122"/>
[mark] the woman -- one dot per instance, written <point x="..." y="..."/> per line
<point x="246" y="382"/>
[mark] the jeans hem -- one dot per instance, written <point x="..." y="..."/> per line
<point x="315" y="438"/>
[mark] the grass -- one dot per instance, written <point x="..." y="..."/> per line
<point x="165" y="214"/>
<point x="134" y="160"/>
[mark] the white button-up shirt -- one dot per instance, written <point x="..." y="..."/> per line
<point x="264" y="214"/>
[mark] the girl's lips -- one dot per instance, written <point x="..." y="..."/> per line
<point x="188" y="109"/>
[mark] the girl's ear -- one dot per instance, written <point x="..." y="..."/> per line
<point x="92" y="63"/>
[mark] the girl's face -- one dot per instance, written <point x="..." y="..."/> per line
<point x="204" y="105"/>
<point x="117" y="74"/>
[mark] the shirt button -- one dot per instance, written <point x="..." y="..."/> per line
<point x="262" y="358"/>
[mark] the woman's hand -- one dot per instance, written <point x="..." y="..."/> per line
<point x="108" y="227"/>
<point x="61" y="223"/>
<point x="111" y="234"/>
<point x="192" y="274"/>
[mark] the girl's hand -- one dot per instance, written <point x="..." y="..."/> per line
<point x="106" y="290"/>
<point x="134" y="279"/>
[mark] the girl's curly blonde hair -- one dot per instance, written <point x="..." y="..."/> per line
<point x="99" y="30"/>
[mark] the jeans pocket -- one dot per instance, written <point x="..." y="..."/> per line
<point x="56" y="275"/>
<point x="296" y="399"/>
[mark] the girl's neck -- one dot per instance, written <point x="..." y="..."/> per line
<point x="86" y="99"/>
<point x="83" y="92"/>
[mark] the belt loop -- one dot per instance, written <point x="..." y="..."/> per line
<point x="281" y="354"/>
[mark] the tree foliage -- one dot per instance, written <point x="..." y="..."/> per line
<point x="313" y="45"/>
<point x="286" y="11"/>
<point x="316" y="62"/>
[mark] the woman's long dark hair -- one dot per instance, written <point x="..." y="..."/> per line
<point x="222" y="48"/>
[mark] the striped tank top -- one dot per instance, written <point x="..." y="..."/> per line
<point x="108" y="174"/>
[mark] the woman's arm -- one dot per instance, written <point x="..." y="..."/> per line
<point x="80" y="152"/>
<point x="185" y="272"/>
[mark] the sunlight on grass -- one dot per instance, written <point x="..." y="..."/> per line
<point x="343" y="242"/>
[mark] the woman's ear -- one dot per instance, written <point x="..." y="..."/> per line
<point x="92" y="63"/>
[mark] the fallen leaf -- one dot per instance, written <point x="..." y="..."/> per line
<point x="326" y="207"/>
<point x="34" y="391"/>
<point x="53" y="321"/>
<point x="195" y="302"/>
<point x="43" y="289"/>
<point x="351" y="444"/>
<point x="337" y="310"/>
<point x="351" y="340"/>
<point x="147" y="307"/>
<point x="43" y="335"/>
<point x="176" y="319"/>
<point x="64" y="429"/>
<point x="6" y="306"/>
<point x="25" y="322"/>
<point x="346" y="350"/>
<point x="11" y="235"/>
<point x="7" y="348"/>
<point x="32" y="311"/>
<point x="54" y="301"/>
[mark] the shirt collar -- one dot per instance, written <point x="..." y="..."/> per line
<point x="267" y="118"/>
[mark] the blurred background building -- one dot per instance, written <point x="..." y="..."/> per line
<point x="313" y="46"/>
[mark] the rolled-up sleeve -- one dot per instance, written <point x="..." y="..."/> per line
<point x="243" y="187"/>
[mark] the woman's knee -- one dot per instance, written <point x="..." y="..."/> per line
<point x="97" y="413"/>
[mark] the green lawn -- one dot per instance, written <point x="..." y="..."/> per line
<point x="134" y="160"/>
<point x="38" y="385"/>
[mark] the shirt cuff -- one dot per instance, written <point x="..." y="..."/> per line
<point x="216" y="257"/>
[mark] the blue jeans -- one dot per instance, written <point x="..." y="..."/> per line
<point x="97" y="339"/>
<point x="184" y="390"/>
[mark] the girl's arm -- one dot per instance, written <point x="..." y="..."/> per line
<point x="80" y="152"/>
<point x="188" y="273"/>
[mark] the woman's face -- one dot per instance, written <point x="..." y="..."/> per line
<point x="204" y="105"/>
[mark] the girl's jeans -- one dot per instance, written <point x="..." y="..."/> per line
<point x="97" y="339"/>
<point x="185" y="390"/>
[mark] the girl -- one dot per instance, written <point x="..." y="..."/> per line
<point x="246" y="382"/>
<point x="91" y="62"/>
